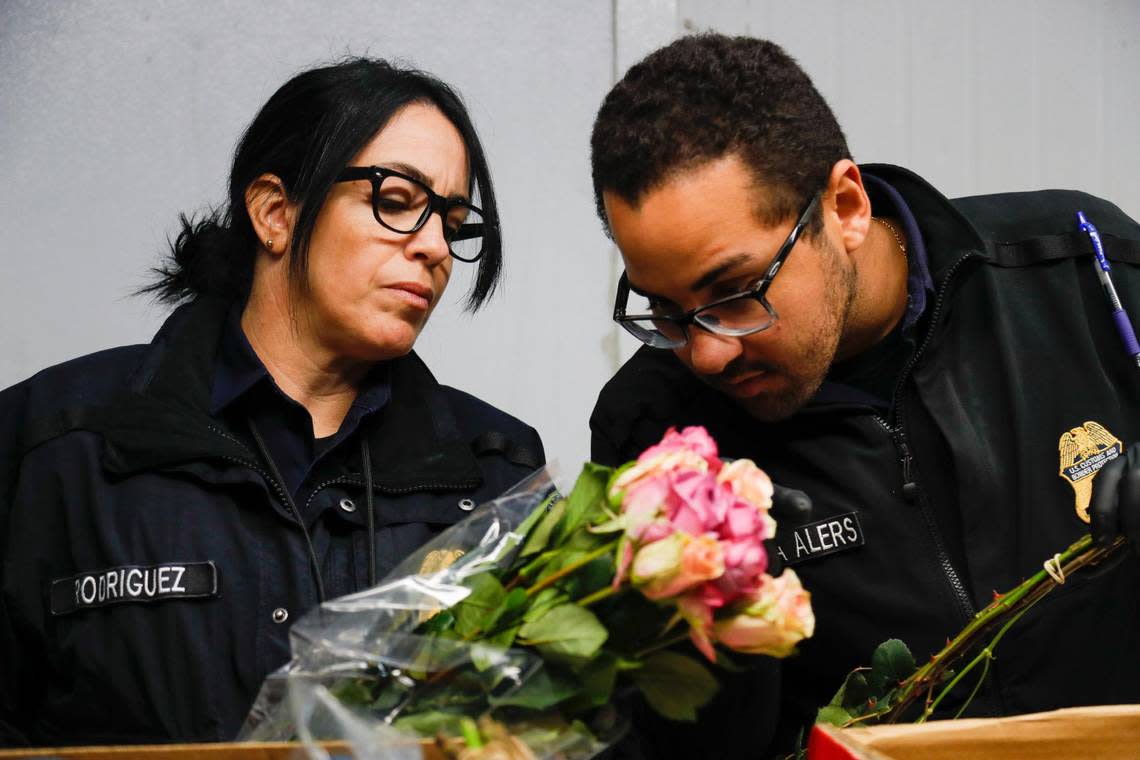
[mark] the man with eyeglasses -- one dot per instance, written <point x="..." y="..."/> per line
<point x="908" y="361"/>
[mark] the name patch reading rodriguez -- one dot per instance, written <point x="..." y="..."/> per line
<point x="134" y="583"/>
<point x="819" y="539"/>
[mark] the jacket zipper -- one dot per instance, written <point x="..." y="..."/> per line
<point x="910" y="487"/>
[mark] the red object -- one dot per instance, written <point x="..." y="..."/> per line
<point x="823" y="745"/>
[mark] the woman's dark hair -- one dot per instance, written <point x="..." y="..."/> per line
<point x="306" y="134"/>
<point x="706" y="96"/>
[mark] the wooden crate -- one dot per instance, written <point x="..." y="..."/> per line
<point x="229" y="751"/>
<point x="1111" y="732"/>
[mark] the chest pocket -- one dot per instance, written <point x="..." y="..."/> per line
<point x="402" y="524"/>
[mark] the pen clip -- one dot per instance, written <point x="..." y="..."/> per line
<point x="1098" y="249"/>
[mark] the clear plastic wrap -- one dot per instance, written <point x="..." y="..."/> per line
<point x="512" y="635"/>
<point x="361" y="674"/>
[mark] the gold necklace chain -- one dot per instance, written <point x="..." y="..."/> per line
<point x="894" y="232"/>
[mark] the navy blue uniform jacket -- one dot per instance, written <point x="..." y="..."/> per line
<point x="957" y="492"/>
<point x="150" y="568"/>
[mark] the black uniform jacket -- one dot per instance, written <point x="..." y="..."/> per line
<point x="954" y="494"/>
<point x="151" y="568"/>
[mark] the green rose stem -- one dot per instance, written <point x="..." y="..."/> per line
<point x="603" y="593"/>
<point x="553" y="578"/>
<point x="470" y="732"/>
<point x="1007" y="608"/>
<point x="684" y="636"/>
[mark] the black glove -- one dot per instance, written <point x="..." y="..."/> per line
<point x="1115" y="508"/>
<point x="790" y="508"/>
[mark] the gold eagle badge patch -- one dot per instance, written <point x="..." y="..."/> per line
<point x="1084" y="450"/>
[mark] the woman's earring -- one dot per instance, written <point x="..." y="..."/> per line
<point x="269" y="243"/>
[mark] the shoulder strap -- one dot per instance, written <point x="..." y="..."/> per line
<point x="494" y="442"/>
<point x="1068" y="245"/>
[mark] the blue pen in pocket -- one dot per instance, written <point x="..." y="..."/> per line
<point x="1119" y="315"/>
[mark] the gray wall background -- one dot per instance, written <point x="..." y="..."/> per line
<point x="117" y="115"/>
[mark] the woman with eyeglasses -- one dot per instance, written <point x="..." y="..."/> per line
<point x="168" y="511"/>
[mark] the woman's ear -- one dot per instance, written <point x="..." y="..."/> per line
<point x="851" y="206"/>
<point x="271" y="213"/>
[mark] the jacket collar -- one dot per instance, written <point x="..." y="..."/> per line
<point x="947" y="234"/>
<point x="164" y="418"/>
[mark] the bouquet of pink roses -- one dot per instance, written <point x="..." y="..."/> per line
<point x="518" y="624"/>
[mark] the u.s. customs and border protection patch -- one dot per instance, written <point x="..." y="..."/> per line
<point x="439" y="559"/>
<point x="435" y="561"/>
<point x="1084" y="450"/>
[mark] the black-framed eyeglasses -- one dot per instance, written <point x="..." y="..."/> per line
<point x="404" y="204"/>
<point x="737" y="315"/>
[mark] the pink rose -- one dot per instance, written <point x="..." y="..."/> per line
<point x="644" y="502"/>
<point x="699" y="616"/>
<point x="748" y="482"/>
<point x="623" y="560"/>
<point x="691" y="449"/>
<point x="752" y="486"/>
<point x="772" y="621"/>
<point x="669" y="567"/>
<point x="694" y="439"/>
<point x="698" y="507"/>
<point x="745" y="561"/>
<point x="743" y="520"/>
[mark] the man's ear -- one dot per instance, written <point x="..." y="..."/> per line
<point x="271" y="213"/>
<point x="849" y="204"/>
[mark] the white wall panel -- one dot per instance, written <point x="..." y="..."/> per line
<point x="979" y="96"/>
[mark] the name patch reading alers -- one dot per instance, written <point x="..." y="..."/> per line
<point x="819" y="539"/>
<point x="134" y="583"/>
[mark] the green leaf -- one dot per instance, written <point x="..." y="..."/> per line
<point x="614" y="499"/>
<point x="536" y="514"/>
<point x="560" y="558"/>
<point x="587" y="540"/>
<point x="515" y="599"/>
<point x="437" y="623"/>
<point x="542" y="690"/>
<point x="590" y="577"/>
<point x="598" y="678"/>
<point x="727" y="664"/>
<point x="891" y="662"/>
<point x="675" y="686"/>
<point x="430" y="723"/>
<point x="565" y="630"/>
<point x="544" y="601"/>
<point x="506" y="615"/>
<point x="531" y="569"/>
<point x="354" y="691"/>
<point x="585" y="502"/>
<point x="486" y="654"/>
<point x="856" y="693"/>
<point x="389" y="697"/>
<point x="477" y="612"/>
<point x="540" y="536"/>
<point x="836" y="716"/>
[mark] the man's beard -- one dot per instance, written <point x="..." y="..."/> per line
<point x="803" y="375"/>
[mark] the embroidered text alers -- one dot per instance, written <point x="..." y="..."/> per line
<point x="821" y="538"/>
<point x="134" y="583"/>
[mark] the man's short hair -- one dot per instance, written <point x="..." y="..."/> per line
<point x="706" y="96"/>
